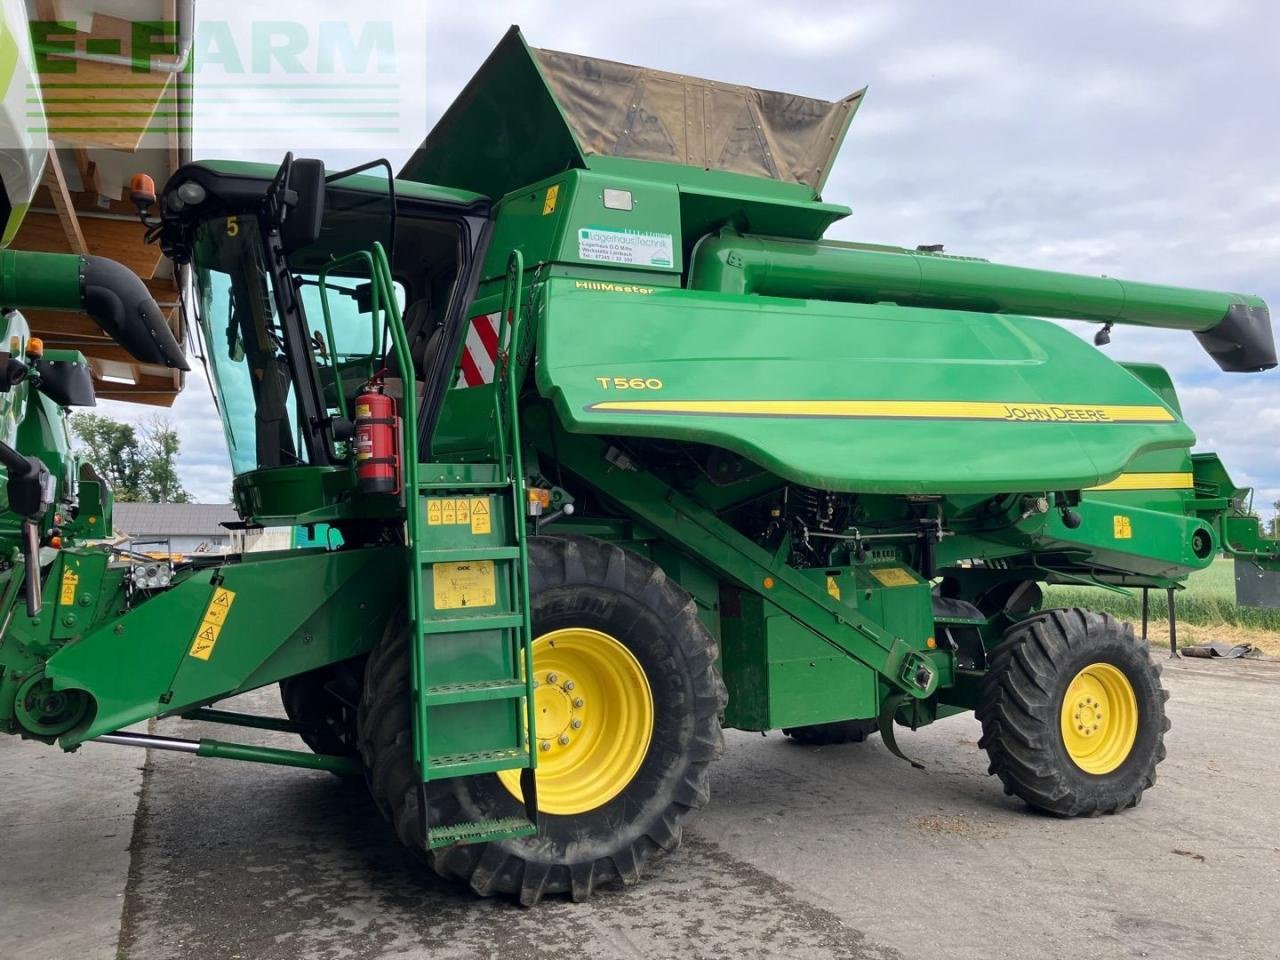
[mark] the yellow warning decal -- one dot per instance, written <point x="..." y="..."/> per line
<point x="549" y="204"/>
<point x="67" y="592"/>
<point x="1150" y="481"/>
<point x="480" y="515"/>
<point x="468" y="584"/>
<point x="474" y="512"/>
<point x="215" y="617"/>
<point x="833" y="588"/>
<point x="897" y="410"/>
<point x="1121" y="527"/>
<point x="893" y="576"/>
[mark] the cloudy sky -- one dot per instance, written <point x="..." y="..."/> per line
<point x="1136" y="139"/>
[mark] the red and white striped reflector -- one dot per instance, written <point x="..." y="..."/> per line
<point x="480" y="355"/>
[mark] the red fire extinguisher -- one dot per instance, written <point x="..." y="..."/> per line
<point x="377" y="440"/>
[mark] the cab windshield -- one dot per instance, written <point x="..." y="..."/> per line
<point x="247" y="349"/>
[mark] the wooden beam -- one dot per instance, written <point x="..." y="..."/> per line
<point x="118" y="239"/>
<point x="157" y="391"/>
<point x="52" y="325"/>
<point x="164" y="289"/>
<point x="88" y="171"/>
<point x="61" y="197"/>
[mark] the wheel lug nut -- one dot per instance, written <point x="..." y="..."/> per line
<point x="564" y="739"/>
<point x="576" y="723"/>
<point x="552" y="678"/>
<point x="577" y="702"/>
<point x="544" y="745"/>
<point x="568" y="685"/>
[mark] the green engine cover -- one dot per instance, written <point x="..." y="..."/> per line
<point x="874" y="398"/>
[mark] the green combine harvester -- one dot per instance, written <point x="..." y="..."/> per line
<point x="605" y="448"/>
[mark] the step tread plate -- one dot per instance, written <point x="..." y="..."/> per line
<point x="480" y="831"/>
<point x="474" y="691"/>
<point x="463" y="554"/>
<point x="484" y="761"/>
<point x="505" y="621"/>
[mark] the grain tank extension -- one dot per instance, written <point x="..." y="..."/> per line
<point x="602" y="447"/>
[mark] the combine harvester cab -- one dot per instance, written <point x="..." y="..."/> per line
<point x="610" y="449"/>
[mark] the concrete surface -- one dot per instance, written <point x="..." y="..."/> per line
<point x="68" y="822"/>
<point x="838" y="852"/>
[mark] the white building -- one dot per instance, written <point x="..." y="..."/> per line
<point x="178" y="527"/>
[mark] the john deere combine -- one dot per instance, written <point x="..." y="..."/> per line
<point x="606" y="448"/>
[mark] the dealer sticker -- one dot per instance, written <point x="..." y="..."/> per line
<point x="637" y="248"/>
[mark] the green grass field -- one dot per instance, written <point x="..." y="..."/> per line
<point x="1209" y="600"/>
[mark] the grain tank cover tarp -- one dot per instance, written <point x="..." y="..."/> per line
<point x="528" y="114"/>
<point x="619" y="110"/>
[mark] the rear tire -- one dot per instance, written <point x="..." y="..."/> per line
<point x="832" y="734"/>
<point x="1072" y="713"/>
<point x="582" y="584"/>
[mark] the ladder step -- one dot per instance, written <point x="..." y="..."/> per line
<point x="468" y="764"/>
<point x="446" y="693"/>
<point x="480" y="831"/>
<point x="463" y="554"/>
<point x="447" y="486"/>
<point x="507" y="621"/>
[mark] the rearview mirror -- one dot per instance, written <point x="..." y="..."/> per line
<point x="301" y="226"/>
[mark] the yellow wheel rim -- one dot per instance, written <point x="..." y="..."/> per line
<point x="1099" y="718"/>
<point x="594" y="719"/>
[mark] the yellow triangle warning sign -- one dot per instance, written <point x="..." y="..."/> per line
<point x="480" y="515"/>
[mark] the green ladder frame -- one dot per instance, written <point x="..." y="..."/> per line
<point x="506" y="636"/>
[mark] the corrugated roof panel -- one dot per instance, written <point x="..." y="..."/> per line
<point x="173" y="519"/>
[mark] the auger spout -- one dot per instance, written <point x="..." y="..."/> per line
<point x="1233" y="328"/>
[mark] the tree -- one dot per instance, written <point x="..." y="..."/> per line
<point x="1275" y="520"/>
<point x="139" y="464"/>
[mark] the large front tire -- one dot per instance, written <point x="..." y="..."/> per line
<point x="1072" y="713"/>
<point x="609" y="612"/>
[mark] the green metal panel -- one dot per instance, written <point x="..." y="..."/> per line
<point x="505" y="129"/>
<point x="295" y="495"/>
<point x="291" y="612"/>
<point x="781" y="673"/>
<point x="1029" y="405"/>
<point x="545" y="222"/>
